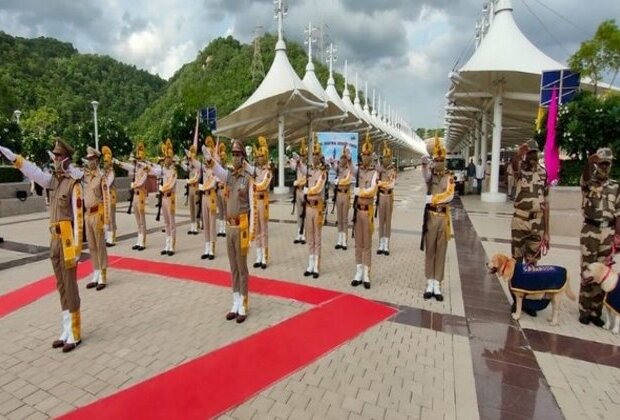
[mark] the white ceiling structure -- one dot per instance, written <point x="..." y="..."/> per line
<point x="497" y="89"/>
<point x="286" y="106"/>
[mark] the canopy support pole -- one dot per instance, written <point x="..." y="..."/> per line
<point x="281" y="189"/>
<point x="494" y="196"/>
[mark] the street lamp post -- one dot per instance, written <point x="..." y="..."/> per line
<point x="95" y="104"/>
<point x="17" y="114"/>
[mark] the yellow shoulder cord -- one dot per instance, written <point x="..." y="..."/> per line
<point x="244" y="235"/>
<point x="106" y="201"/>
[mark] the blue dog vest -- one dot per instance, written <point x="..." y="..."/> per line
<point x="612" y="300"/>
<point x="538" y="278"/>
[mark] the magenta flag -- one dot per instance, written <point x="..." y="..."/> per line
<point x="552" y="153"/>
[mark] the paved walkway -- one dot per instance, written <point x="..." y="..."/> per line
<point x="463" y="358"/>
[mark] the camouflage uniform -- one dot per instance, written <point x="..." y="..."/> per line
<point x="601" y="207"/>
<point x="528" y="223"/>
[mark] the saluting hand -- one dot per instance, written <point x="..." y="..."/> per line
<point x="8" y="153"/>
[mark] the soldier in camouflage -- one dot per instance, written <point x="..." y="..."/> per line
<point x="530" y="222"/>
<point x="599" y="234"/>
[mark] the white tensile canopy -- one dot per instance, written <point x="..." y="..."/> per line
<point x="503" y="76"/>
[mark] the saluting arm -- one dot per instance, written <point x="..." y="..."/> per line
<point x="371" y="190"/>
<point x="444" y="196"/>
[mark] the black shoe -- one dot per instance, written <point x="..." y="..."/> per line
<point x="70" y="346"/>
<point x="344" y="248"/>
<point x="315" y="275"/>
<point x="597" y="321"/>
<point x="530" y="312"/>
<point x="263" y="266"/>
<point x="241" y="318"/>
<point x="230" y="316"/>
<point x="91" y="285"/>
<point x="101" y="286"/>
<point x="164" y="252"/>
<point x="296" y="241"/>
<point x="307" y="273"/>
<point x="302" y="242"/>
<point x="356" y="283"/>
<point x="189" y="232"/>
<point x="386" y="253"/>
<point x="204" y="256"/>
<point x="379" y="251"/>
<point x="223" y="235"/>
<point x="170" y="253"/>
<point x="427" y="295"/>
<point x="58" y="344"/>
<point x="109" y="244"/>
<point x="256" y="265"/>
<point x="211" y="256"/>
<point x="135" y="247"/>
<point x="584" y="319"/>
<point x="366" y="285"/>
<point x="338" y="246"/>
<point x="439" y="298"/>
<point x="141" y="248"/>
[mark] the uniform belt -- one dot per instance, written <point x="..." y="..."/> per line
<point x="55" y="230"/>
<point x="233" y="221"/>
<point x="382" y="191"/>
<point x="93" y="209"/>
<point x="526" y="215"/>
<point x="168" y="194"/>
<point x="136" y="192"/>
<point x="343" y="189"/>
<point x="260" y="196"/>
<point x="363" y="207"/>
<point x="437" y="209"/>
<point x="600" y="223"/>
<point x="313" y="203"/>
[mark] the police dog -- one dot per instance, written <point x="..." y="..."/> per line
<point x="504" y="267"/>
<point x="607" y="278"/>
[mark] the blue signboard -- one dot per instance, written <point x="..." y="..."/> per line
<point x="332" y="145"/>
<point x="209" y="115"/>
<point x="565" y="81"/>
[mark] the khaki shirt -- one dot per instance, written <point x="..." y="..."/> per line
<point x="316" y="182"/>
<point x="61" y="198"/>
<point x="237" y="192"/>
<point x="387" y="178"/>
<point x="93" y="193"/>
<point x="532" y="189"/>
<point x="367" y="185"/>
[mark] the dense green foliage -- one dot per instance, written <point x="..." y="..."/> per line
<point x="570" y="172"/>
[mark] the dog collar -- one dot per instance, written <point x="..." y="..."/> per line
<point x="606" y="274"/>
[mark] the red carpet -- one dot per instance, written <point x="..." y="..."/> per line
<point x="216" y="382"/>
<point x="275" y="288"/>
<point x="224" y="378"/>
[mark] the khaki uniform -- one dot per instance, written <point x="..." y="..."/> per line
<point x="110" y="177"/>
<point x="364" y="221"/>
<point x="344" y="174"/>
<point x="66" y="220"/>
<point x="260" y="214"/>
<point x="142" y="170"/>
<point x="387" y="179"/>
<point x="441" y="188"/>
<point x="96" y="199"/>
<point x="194" y="177"/>
<point x="299" y="184"/>
<point x="238" y="184"/>
<point x="168" y="189"/>
<point x="209" y="191"/>
<point x="600" y="207"/>
<point x="315" y="206"/>
<point x="528" y="225"/>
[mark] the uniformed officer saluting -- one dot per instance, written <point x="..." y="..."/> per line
<point x="66" y="220"/>
<point x="238" y="182"/>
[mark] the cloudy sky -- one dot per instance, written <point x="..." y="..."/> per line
<point x="404" y="48"/>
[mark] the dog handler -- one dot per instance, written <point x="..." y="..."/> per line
<point x="601" y="224"/>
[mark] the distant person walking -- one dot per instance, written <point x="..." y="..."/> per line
<point x="479" y="176"/>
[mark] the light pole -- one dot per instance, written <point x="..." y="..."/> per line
<point x="95" y="104"/>
<point x="17" y="114"/>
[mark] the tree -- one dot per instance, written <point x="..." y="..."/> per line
<point x="600" y="55"/>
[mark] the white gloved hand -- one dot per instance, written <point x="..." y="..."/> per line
<point x="295" y="156"/>
<point x="161" y="188"/>
<point x="426" y="160"/>
<point x="132" y="185"/>
<point x="115" y="161"/>
<point x="8" y="153"/>
<point x="428" y="199"/>
<point x="306" y="190"/>
<point x="356" y="191"/>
